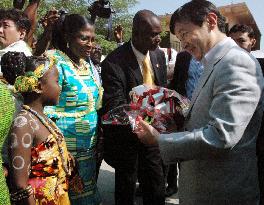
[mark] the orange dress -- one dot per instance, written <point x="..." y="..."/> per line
<point x="47" y="176"/>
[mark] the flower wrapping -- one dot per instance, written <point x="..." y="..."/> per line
<point x="164" y="109"/>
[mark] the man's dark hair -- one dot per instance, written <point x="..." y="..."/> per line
<point x="20" y="19"/>
<point x="13" y="64"/>
<point x="242" y="28"/>
<point x="195" y="12"/>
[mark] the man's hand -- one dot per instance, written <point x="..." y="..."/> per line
<point x="146" y="133"/>
<point x="19" y="4"/>
<point x="50" y="19"/>
<point x="118" y="34"/>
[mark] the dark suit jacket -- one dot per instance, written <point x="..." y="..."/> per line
<point x="120" y="73"/>
<point x="180" y="76"/>
<point x="260" y="140"/>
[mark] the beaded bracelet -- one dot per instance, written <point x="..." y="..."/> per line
<point x="22" y="194"/>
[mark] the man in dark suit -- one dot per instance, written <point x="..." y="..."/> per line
<point x="134" y="63"/>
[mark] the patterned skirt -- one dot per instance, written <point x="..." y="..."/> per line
<point x="81" y="135"/>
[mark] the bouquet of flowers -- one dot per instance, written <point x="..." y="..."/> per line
<point x="160" y="107"/>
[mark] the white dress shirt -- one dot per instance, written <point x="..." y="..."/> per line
<point x="140" y="57"/>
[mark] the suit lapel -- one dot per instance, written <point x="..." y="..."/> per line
<point x="132" y="66"/>
<point x="156" y="67"/>
<point x="203" y="79"/>
<point x="208" y="69"/>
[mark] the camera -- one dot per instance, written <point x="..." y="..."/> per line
<point x="100" y="8"/>
<point x="62" y="12"/>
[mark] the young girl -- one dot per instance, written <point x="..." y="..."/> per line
<point x="40" y="163"/>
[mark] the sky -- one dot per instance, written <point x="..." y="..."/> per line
<point x="159" y="7"/>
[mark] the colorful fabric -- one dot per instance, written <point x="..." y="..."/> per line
<point x="76" y="117"/>
<point x="7" y="109"/>
<point x="29" y="81"/>
<point x="47" y="177"/>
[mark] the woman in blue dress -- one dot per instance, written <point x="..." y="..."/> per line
<point x="81" y="95"/>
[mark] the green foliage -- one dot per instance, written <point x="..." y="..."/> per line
<point x="107" y="46"/>
<point x="72" y="6"/>
<point x="6" y="4"/>
<point x="165" y="35"/>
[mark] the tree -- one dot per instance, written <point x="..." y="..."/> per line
<point x="165" y="34"/>
<point x="121" y="16"/>
<point x="6" y="4"/>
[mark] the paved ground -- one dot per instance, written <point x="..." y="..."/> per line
<point x="106" y="187"/>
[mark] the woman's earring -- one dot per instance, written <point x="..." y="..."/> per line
<point x="67" y="45"/>
<point x="38" y="91"/>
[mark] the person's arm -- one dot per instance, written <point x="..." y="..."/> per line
<point x="237" y="91"/>
<point x="114" y="87"/>
<point x="31" y="12"/>
<point x="44" y="41"/>
<point x="21" y="139"/>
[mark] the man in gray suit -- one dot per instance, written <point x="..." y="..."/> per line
<point x="218" y="146"/>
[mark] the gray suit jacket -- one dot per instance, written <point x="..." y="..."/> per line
<point x="218" y="148"/>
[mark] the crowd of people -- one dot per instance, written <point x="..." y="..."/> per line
<point x="55" y="90"/>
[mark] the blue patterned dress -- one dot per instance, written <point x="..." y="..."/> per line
<point x="76" y="116"/>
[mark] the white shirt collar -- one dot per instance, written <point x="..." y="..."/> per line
<point x="140" y="56"/>
<point x="18" y="46"/>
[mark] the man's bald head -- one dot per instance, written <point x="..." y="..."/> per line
<point x="143" y="17"/>
<point x="146" y="25"/>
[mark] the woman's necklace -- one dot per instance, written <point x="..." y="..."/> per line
<point x="99" y="87"/>
<point x="80" y="67"/>
<point x="54" y="130"/>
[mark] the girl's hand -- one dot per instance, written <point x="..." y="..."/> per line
<point x="77" y="184"/>
<point x="5" y="171"/>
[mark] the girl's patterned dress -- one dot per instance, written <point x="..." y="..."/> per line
<point x="47" y="177"/>
<point x="76" y="117"/>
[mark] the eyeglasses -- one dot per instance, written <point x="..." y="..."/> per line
<point x="97" y="49"/>
<point x="84" y="38"/>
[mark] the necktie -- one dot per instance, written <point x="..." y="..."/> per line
<point x="146" y="71"/>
